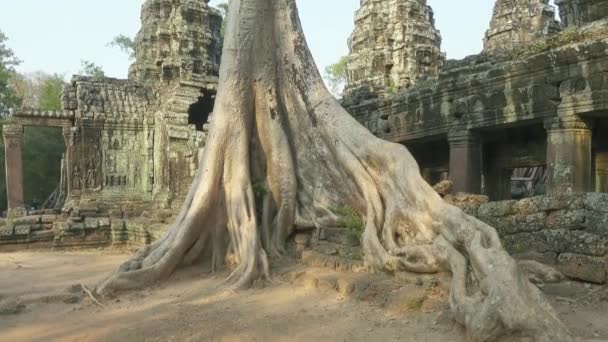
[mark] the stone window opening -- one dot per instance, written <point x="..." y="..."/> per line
<point x="199" y="112"/>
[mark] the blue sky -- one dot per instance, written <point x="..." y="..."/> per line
<point x="55" y="35"/>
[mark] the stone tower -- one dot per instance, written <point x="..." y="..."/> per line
<point x="580" y="12"/>
<point x="178" y="40"/>
<point x="517" y="22"/>
<point x="394" y="43"/>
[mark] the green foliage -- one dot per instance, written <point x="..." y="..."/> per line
<point x="125" y="44"/>
<point x="50" y="93"/>
<point x="42" y="151"/>
<point x="8" y="98"/>
<point x="3" y="198"/>
<point x="350" y="219"/>
<point x="223" y="8"/>
<point x="335" y="75"/>
<point x="91" y="69"/>
<point x="391" y="89"/>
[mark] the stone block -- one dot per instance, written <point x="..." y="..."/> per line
<point x="562" y="201"/>
<point x="5" y="232"/>
<point x="549" y="258"/>
<point x="91" y="223"/>
<point x="519" y="223"/>
<point x="27" y="220"/>
<point x="23" y="230"/>
<point x="497" y="209"/>
<point x="104" y="222"/>
<point x="566" y="219"/>
<point x="76" y="226"/>
<point x="583" y="267"/>
<point x="528" y="206"/>
<point x="48" y="218"/>
<point x="596" y="202"/>
<point x="2" y="222"/>
<point x="597" y="223"/>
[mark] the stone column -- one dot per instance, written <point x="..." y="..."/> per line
<point x="13" y="140"/>
<point x="601" y="172"/>
<point x="465" y="161"/>
<point x="68" y="139"/>
<point x="569" y="160"/>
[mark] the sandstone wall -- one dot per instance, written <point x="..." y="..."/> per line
<point x="569" y="231"/>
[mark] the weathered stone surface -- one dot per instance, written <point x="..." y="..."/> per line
<point x="518" y="22"/>
<point x="580" y="12"/>
<point x="497" y="209"/>
<point x="514" y="224"/>
<point x="583" y="267"/>
<point x="596" y="202"/>
<point x="22" y="230"/>
<point x="566" y="219"/>
<point x="394" y="44"/>
<point x="6" y="232"/>
<point x="597" y="223"/>
<point x="549" y="258"/>
<point x="91" y="223"/>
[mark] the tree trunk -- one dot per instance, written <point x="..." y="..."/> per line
<point x="276" y="127"/>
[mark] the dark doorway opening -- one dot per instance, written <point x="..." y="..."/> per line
<point x="199" y="112"/>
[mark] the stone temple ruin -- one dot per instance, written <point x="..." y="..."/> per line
<point x="520" y="126"/>
<point x="131" y="145"/>
<point x="517" y="130"/>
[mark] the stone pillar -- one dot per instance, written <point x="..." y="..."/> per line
<point x="569" y="162"/>
<point x="68" y="139"/>
<point x="601" y="172"/>
<point x="465" y="161"/>
<point x="13" y="140"/>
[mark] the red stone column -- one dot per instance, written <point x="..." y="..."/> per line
<point x="68" y="139"/>
<point x="465" y="161"/>
<point x="13" y="140"/>
<point x="569" y="159"/>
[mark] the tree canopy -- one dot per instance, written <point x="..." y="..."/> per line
<point x="335" y="75"/>
<point x="8" y="98"/>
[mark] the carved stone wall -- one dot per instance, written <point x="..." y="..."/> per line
<point x="554" y="101"/>
<point x="394" y="43"/>
<point x="179" y="40"/>
<point x="579" y="12"/>
<point x="517" y="22"/>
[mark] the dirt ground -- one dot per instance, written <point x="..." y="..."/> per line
<point x="302" y="304"/>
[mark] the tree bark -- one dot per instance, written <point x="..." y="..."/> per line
<point x="275" y="125"/>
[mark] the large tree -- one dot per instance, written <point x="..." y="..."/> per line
<point x="276" y="124"/>
<point x="8" y="99"/>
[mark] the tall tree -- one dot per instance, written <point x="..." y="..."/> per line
<point x="335" y="75"/>
<point x="8" y="98"/>
<point x="223" y="8"/>
<point x="89" y="68"/>
<point x="276" y="125"/>
<point x="125" y="44"/>
<point x="43" y="146"/>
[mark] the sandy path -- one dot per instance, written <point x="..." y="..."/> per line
<point x="191" y="308"/>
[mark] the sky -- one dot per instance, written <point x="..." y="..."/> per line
<point x="54" y="36"/>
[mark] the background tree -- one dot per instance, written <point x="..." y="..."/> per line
<point x="43" y="146"/>
<point x="125" y="44"/>
<point x="275" y="125"/>
<point x="8" y="98"/>
<point x="89" y="68"/>
<point x="223" y="8"/>
<point x="335" y="75"/>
